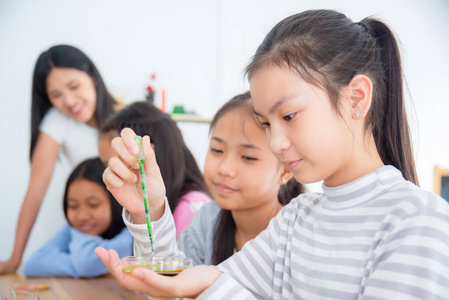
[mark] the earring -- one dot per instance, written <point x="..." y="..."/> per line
<point x="358" y="113"/>
<point x="284" y="180"/>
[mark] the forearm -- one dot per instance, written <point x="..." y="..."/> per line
<point x="82" y="251"/>
<point x="50" y="263"/>
<point x="164" y="235"/>
<point x="225" y="287"/>
<point x="42" y="166"/>
<point x="27" y="217"/>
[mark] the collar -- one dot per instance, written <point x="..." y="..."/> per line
<point x="363" y="189"/>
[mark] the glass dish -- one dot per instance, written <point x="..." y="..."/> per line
<point x="165" y="265"/>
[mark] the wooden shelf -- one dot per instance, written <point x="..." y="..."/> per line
<point x="189" y="118"/>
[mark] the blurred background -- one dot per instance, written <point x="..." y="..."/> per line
<point x="198" y="50"/>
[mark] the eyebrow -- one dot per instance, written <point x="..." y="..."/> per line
<point x="276" y="105"/>
<point x="242" y="145"/>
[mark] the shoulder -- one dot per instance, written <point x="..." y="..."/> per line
<point x="55" y="116"/>
<point x="193" y="201"/>
<point x="207" y="216"/>
<point x="55" y="124"/>
<point x="195" y="196"/>
<point x="413" y="200"/>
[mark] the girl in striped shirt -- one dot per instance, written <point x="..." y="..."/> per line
<point x="329" y="93"/>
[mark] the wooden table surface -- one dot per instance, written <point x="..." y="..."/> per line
<point x="105" y="287"/>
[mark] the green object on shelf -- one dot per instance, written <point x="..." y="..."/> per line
<point x="178" y="109"/>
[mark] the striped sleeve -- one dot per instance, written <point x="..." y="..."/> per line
<point x="225" y="287"/>
<point x="252" y="269"/>
<point x="412" y="261"/>
<point x="164" y="235"/>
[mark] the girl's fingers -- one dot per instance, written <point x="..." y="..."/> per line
<point x="113" y="263"/>
<point x="103" y="255"/>
<point x="118" y="144"/>
<point x="111" y="180"/>
<point x="121" y="171"/>
<point x="128" y="135"/>
<point x="150" y="164"/>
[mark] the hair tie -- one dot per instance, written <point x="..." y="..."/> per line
<point x="364" y="26"/>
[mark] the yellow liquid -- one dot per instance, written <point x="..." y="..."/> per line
<point x="168" y="271"/>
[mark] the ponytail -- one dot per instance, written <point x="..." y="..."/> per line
<point x="390" y="128"/>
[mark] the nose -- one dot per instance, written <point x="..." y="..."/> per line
<point x="227" y="167"/>
<point x="278" y="140"/>
<point x="69" y="100"/>
<point x="83" y="215"/>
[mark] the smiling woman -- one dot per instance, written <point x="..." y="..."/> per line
<point x="69" y="103"/>
<point x="72" y="92"/>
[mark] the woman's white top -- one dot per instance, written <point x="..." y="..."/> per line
<point x="78" y="141"/>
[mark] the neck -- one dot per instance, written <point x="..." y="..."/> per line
<point x="92" y="122"/>
<point x="249" y="223"/>
<point x="364" y="159"/>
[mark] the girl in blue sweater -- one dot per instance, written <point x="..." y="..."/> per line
<point x="94" y="219"/>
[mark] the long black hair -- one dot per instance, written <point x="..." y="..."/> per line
<point x="178" y="167"/>
<point x="64" y="56"/>
<point x="327" y="49"/>
<point x="224" y="235"/>
<point x="92" y="170"/>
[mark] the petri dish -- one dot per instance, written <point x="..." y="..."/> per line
<point x="165" y="265"/>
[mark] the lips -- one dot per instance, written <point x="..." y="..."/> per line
<point x="76" y="110"/>
<point x="292" y="164"/>
<point x="86" y="228"/>
<point x="224" y="189"/>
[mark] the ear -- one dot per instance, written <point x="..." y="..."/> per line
<point x="285" y="176"/>
<point x="360" y="90"/>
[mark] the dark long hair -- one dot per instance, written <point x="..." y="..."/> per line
<point x="92" y="170"/>
<point x="178" y="167"/>
<point x="224" y="237"/>
<point x="64" y="56"/>
<point x="327" y="49"/>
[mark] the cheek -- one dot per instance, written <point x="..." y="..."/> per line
<point x="209" y="166"/>
<point x="71" y="216"/>
<point x="59" y="105"/>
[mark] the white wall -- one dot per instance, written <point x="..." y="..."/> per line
<point x="198" y="49"/>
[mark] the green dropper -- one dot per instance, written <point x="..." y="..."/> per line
<point x="140" y="160"/>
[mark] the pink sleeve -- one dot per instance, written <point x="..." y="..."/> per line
<point x="188" y="205"/>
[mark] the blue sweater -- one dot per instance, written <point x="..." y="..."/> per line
<point x="70" y="253"/>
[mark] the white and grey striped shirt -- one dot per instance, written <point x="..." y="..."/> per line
<point x="379" y="237"/>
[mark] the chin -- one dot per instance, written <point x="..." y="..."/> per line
<point x="301" y="178"/>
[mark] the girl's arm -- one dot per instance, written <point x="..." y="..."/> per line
<point x="247" y="275"/>
<point x="42" y="165"/>
<point x="189" y="283"/>
<point x="164" y="235"/>
<point x="83" y="258"/>
<point x="413" y="259"/>
<point x="53" y="259"/>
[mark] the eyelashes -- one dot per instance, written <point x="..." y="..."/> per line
<point x="286" y="118"/>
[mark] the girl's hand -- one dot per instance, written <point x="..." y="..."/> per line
<point x="122" y="177"/>
<point x="188" y="284"/>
